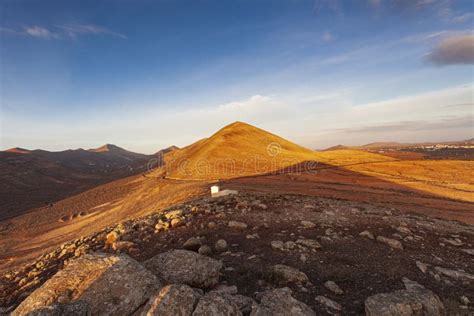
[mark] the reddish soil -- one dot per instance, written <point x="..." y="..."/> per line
<point x="360" y="266"/>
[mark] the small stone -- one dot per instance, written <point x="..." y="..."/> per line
<point x="277" y="244"/>
<point x="290" y="245"/>
<point x="174" y="214"/>
<point x="192" y="243"/>
<point x="262" y="206"/>
<point x="367" y="234"/>
<point x="404" y="230"/>
<point x="310" y="243"/>
<point x="455" y="274"/>
<point x="111" y="237"/>
<point x="237" y="225"/>
<point x="328" y="303"/>
<point x="211" y="225"/>
<point x="252" y="236"/>
<point x="333" y="287"/>
<point x="393" y="243"/>
<point x="286" y="274"/>
<point x="422" y="266"/>
<point x="176" y="222"/>
<point x="464" y="300"/>
<point x="221" y="245"/>
<point x="303" y="258"/>
<point x="308" y="224"/>
<point x="162" y="225"/>
<point x="455" y="241"/>
<point x="468" y="251"/>
<point x="205" y="250"/>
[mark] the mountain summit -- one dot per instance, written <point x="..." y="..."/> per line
<point x="238" y="149"/>
<point x="107" y="148"/>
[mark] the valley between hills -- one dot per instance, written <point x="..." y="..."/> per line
<point x="342" y="192"/>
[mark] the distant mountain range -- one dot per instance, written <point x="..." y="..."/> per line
<point x="44" y="176"/>
<point x="396" y="145"/>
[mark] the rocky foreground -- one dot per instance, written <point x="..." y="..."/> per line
<point x="255" y="255"/>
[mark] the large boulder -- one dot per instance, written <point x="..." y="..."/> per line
<point x="280" y="302"/>
<point x="217" y="303"/>
<point x="284" y="274"/>
<point x="109" y="284"/>
<point x="174" y="299"/>
<point x="186" y="267"/>
<point x="415" y="300"/>
<point x="78" y="308"/>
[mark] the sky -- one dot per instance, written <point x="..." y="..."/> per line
<point x="145" y="74"/>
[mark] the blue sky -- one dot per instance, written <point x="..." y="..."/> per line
<point x="148" y="74"/>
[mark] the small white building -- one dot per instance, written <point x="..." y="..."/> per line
<point x="215" y="191"/>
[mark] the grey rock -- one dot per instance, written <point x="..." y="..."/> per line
<point x="404" y="230"/>
<point x="192" y="243"/>
<point x="415" y="300"/>
<point x="367" y="234"/>
<point x="221" y="245"/>
<point x="422" y="266"/>
<point x="109" y="284"/>
<point x="328" y="304"/>
<point x="187" y="267"/>
<point x="468" y="251"/>
<point x="455" y="241"/>
<point x="205" y="250"/>
<point x="464" y="300"/>
<point x="285" y="274"/>
<point x="333" y="287"/>
<point x="215" y="303"/>
<point x="174" y="299"/>
<point x="244" y="303"/>
<point x="280" y="302"/>
<point x="289" y="245"/>
<point x="309" y="243"/>
<point x="277" y="244"/>
<point x="455" y="274"/>
<point x="393" y="243"/>
<point x="78" y="308"/>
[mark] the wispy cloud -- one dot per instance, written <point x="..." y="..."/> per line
<point x="458" y="49"/>
<point x="73" y="30"/>
<point x="41" y="32"/>
<point x="67" y="31"/>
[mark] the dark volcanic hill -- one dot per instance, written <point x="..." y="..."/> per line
<point x="34" y="178"/>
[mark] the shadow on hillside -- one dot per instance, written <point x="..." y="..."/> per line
<point x="329" y="181"/>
